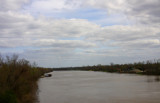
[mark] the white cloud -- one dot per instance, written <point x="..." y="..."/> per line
<point x="54" y="5"/>
<point x="110" y="5"/>
<point x="138" y="12"/>
<point x="77" y="40"/>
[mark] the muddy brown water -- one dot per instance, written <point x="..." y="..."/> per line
<point x="98" y="87"/>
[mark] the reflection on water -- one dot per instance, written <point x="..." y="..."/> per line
<point x="157" y="78"/>
<point x="153" y="79"/>
<point x="98" y="87"/>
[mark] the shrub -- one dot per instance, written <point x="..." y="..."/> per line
<point x="18" y="80"/>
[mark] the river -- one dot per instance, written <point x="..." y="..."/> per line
<point x="98" y="87"/>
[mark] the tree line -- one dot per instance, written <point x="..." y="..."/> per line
<point x="151" y="67"/>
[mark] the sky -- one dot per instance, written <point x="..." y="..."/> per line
<point x="68" y="33"/>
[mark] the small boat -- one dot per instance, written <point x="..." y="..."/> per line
<point x="47" y="75"/>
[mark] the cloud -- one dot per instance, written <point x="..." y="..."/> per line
<point x="7" y="5"/>
<point x="52" y="30"/>
<point x="66" y="42"/>
<point x="24" y="30"/>
<point x="146" y="12"/>
<point x="124" y="33"/>
<point x="53" y="6"/>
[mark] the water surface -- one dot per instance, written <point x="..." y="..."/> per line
<point x="98" y="87"/>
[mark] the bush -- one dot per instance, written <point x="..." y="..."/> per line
<point x="8" y="97"/>
<point x="18" y="80"/>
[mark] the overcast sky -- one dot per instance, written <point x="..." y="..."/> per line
<point x="60" y="33"/>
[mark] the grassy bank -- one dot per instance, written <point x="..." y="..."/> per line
<point x="18" y="80"/>
<point x="146" y="68"/>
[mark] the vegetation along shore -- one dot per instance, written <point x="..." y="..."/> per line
<point x="18" y="77"/>
<point x="151" y="67"/>
<point x="18" y="80"/>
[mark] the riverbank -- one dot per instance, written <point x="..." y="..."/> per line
<point x="144" y="68"/>
<point x="18" y="80"/>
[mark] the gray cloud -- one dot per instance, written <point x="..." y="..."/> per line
<point x="6" y="5"/>
<point x="74" y="42"/>
<point x="146" y="12"/>
<point x="143" y="12"/>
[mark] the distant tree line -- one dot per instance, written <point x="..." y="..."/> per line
<point x="148" y="68"/>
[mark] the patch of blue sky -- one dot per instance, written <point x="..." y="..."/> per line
<point x="78" y="50"/>
<point x="11" y="50"/>
<point x="98" y="16"/>
<point x="107" y="47"/>
<point x="89" y="14"/>
<point x="95" y="15"/>
<point x="73" y="38"/>
<point x="16" y="49"/>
